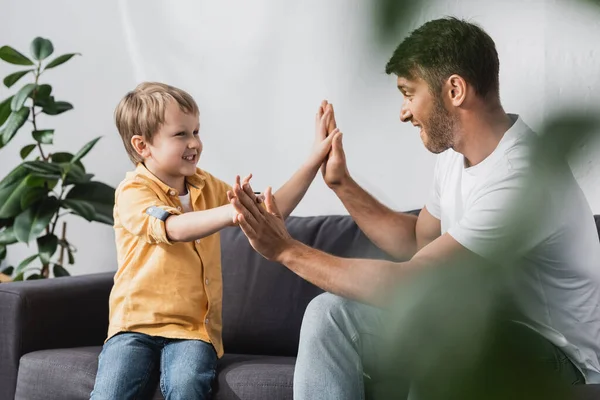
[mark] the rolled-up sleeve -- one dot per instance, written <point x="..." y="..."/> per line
<point x="142" y="213"/>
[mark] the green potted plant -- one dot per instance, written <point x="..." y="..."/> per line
<point x="47" y="185"/>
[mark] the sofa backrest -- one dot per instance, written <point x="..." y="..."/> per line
<point x="264" y="302"/>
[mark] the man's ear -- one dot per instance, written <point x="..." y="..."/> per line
<point x="140" y="146"/>
<point x="456" y="90"/>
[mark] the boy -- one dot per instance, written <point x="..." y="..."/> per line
<point x="165" y="306"/>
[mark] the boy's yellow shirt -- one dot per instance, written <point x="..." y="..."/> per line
<point x="173" y="290"/>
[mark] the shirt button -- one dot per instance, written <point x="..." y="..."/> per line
<point x="198" y="241"/>
<point x="172" y="193"/>
<point x="206" y="321"/>
<point x="179" y="208"/>
<point x="206" y="281"/>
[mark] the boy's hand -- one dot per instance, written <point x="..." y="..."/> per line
<point x="244" y="184"/>
<point x="334" y="167"/>
<point x="323" y="138"/>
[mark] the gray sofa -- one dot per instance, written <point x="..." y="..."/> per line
<point x="51" y="331"/>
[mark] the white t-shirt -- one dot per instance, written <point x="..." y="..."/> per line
<point x="186" y="202"/>
<point x="535" y="212"/>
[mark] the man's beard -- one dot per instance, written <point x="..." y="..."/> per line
<point x="439" y="128"/>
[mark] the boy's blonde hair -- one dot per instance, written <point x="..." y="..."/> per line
<point x="142" y="112"/>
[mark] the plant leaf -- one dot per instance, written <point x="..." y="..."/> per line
<point x="85" y="149"/>
<point x="47" y="246"/>
<point x="5" y="111"/>
<point x="12" y="56"/>
<point x="70" y="255"/>
<point x="34" y="277"/>
<point x="63" y="157"/>
<point x="42" y="167"/>
<point x="42" y="94"/>
<point x="19" y="99"/>
<point x="7" y="236"/>
<point x="25" y="151"/>
<point x="10" y="197"/>
<point x="59" y="271"/>
<point x="18" y="278"/>
<point x="60" y="60"/>
<point x="57" y="107"/>
<point x="31" y="222"/>
<point x="81" y="208"/>
<point x="8" y="270"/>
<point x="25" y="263"/>
<point x="14" y="77"/>
<point x="15" y="121"/>
<point x="32" y="195"/>
<point x="41" y="48"/>
<point x="99" y="195"/>
<point x="15" y="176"/>
<point x="2" y="252"/>
<point x="45" y="136"/>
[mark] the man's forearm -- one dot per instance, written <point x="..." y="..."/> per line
<point x="364" y="280"/>
<point x="290" y="194"/>
<point x="198" y="224"/>
<point x="391" y="231"/>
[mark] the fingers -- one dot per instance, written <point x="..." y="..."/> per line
<point x="271" y="204"/>
<point x="331" y="125"/>
<point x="246" y="227"/>
<point x="248" y="201"/>
<point x="241" y="211"/>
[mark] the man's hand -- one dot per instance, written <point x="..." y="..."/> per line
<point x="244" y="182"/>
<point x="334" y="168"/>
<point x="263" y="226"/>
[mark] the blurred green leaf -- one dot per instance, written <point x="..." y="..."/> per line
<point x="55" y="108"/>
<point x="390" y="15"/>
<point x="5" y="111"/>
<point x="71" y="258"/>
<point x="14" y="177"/>
<point x="99" y="195"/>
<point x="59" y="271"/>
<point x="61" y="60"/>
<point x="18" y="278"/>
<point x="41" y="48"/>
<point x="42" y="167"/>
<point x="33" y="195"/>
<point x="8" y="270"/>
<point x="42" y="95"/>
<point x="14" y="77"/>
<point x="85" y="149"/>
<point x="31" y="222"/>
<point x="25" y="263"/>
<point x="7" y="236"/>
<point x="45" y="136"/>
<point x="81" y="208"/>
<point x="15" y="121"/>
<point x="19" y="99"/>
<point x="12" y="56"/>
<point x="10" y="197"/>
<point x="63" y="157"/>
<point x="34" y="277"/>
<point x="2" y="252"/>
<point x="25" y="151"/>
<point x="47" y="246"/>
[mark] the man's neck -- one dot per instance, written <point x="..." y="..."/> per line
<point x="480" y="134"/>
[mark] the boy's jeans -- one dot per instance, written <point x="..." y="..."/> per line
<point x="340" y="354"/>
<point x="129" y="367"/>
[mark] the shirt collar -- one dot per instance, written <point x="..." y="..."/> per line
<point x="196" y="181"/>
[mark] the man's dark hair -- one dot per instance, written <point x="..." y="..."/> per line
<point x="447" y="46"/>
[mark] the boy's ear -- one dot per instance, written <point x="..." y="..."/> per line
<point x="140" y="146"/>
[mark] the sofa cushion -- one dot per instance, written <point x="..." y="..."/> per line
<point x="69" y="374"/>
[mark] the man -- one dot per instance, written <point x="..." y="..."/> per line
<point x="448" y="74"/>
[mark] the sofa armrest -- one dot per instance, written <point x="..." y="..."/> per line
<point x="49" y="314"/>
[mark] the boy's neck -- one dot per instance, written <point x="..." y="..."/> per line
<point x="176" y="182"/>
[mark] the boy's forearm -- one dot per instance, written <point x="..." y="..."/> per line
<point x="198" y="224"/>
<point x="290" y="194"/>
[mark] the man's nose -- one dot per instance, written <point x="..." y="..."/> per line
<point x="405" y="114"/>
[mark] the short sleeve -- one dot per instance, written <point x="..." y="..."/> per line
<point x="433" y="201"/>
<point x="142" y="213"/>
<point x="506" y="220"/>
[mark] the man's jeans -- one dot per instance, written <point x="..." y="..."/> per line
<point x="129" y="367"/>
<point x="340" y="354"/>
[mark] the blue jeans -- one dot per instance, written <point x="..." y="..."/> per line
<point x="130" y="363"/>
<point x="340" y="356"/>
